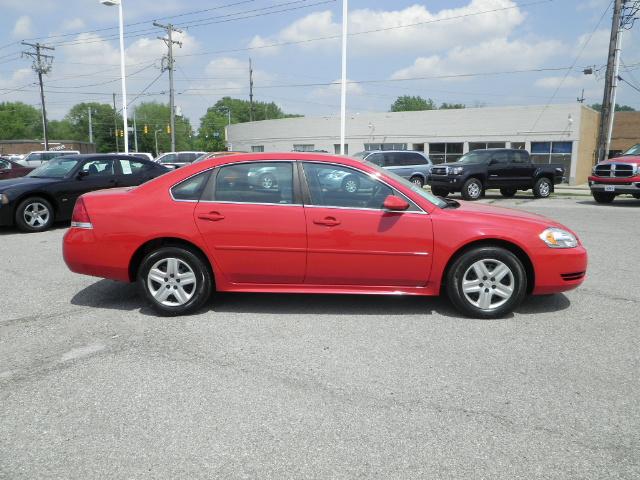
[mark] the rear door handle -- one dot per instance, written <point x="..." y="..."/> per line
<point x="327" y="221"/>
<point x="211" y="216"/>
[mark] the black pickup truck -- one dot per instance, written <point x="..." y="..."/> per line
<point x="507" y="169"/>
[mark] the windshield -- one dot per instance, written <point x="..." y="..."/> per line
<point x="56" y="168"/>
<point x="415" y="188"/>
<point x="474" y="157"/>
<point x="635" y="150"/>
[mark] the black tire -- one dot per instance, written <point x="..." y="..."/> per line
<point x="508" y="192"/>
<point x="417" y="180"/>
<point x="542" y="188"/>
<point x="463" y="265"/>
<point x="195" y="296"/>
<point x="34" y="214"/>
<point x="267" y="181"/>
<point x="636" y="196"/>
<point x="472" y="189"/>
<point x="439" y="192"/>
<point x="603" y="197"/>
<point x="350" y="184"/>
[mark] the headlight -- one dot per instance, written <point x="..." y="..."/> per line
<point x="558" y="238"/>
<point x="456" y="170"/>
<point x="4" y="200"/>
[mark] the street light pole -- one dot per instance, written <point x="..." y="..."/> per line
<point x="155" y="134"/>
<point x="343" y="90"/>
<point x="111" y="3"/>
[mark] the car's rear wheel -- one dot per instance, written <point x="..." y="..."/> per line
<point x="268" y="181"/>
<point x="439" y="192"/>
<point x="603" y="197"/>
<point x="542" y="188"/>
<point x="350" y="184"/>
<point x="486" y="282"/>
<point x="636" y="196"/>
<point x="417" y="180"/>
<point x="472" y="189"/>
<point x="508" y="192"/>
<point x="175" y="280"/>
<point x="34" y="214"/>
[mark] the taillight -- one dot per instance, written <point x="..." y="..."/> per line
<point x="80" y="217"/>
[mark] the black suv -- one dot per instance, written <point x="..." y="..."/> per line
<point x="509" y="170"/>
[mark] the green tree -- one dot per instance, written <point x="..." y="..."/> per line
<point x="102" y="121"/>
<point x="409" y="103"/>
<point x="619" y="108"/>
<point x="213" y="123"/>
<point x="19" y="121"/>
<point x="63" y="130"/>
<point x="451" y="106"/>
<point x="155" y="118"/>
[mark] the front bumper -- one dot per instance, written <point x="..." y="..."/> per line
<point x="630" y="185"/>
<point x="446" y="182"/>
<point x="559" y="270"/>
<point x="6" y="215"/>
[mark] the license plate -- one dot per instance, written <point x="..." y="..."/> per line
<point x="609" y="188"/>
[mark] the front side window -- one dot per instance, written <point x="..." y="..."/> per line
<point x="4" y="164"/>
<point x="256" y="182"/>
<point x="338" y="186"/>
<point x="500" y="158"/>
<point x="519" y="156"/>
<point x="98" y="168"/>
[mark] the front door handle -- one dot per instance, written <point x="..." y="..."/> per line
<point x="327" y="221"/>
<point x="211" y="216"/>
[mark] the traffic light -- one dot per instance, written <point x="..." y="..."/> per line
<point x="122" y="133"/>
<point x="146" y="129"/>
<point x="169" y="129"/>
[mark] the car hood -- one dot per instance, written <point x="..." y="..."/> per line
<point x="483" y="212"/>
<point x="623" y="159"/>
<point x="25" y="182"/>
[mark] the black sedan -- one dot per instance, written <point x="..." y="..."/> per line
<point x="49" y="192"/>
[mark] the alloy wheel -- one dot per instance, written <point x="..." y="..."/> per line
<point x="488" y="284"/>
<point x="171" y="282"/>
<point x="36" y="214"/>
<point x="474" y="190"/>
<point x="351" y="186"/>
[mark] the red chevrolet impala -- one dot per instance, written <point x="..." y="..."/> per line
<point x="314" y="223"/>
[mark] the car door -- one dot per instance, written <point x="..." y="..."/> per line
<point x="133" y="172"/>
<point x="522" y="167"/>
<point x="352" y="240"/>
<point x="89" y="175"/>
<point x="255" y="232"/>
<point x="499" y="171"/>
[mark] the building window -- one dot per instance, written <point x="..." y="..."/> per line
<point x="257" y="148"/>
<point x="304" y="147"/>
<point x="482" y="145"/>
<point x="336" y="148"/>
<point x="553" y="152"/>
<point x="445" y="152"/>
<point x="385" y="146"/>
<point x="518" y="145"/>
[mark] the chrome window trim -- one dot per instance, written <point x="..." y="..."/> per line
<point x="373" y="177"/>
<point x="384" y="210"/>
<point x="253" y="203"/>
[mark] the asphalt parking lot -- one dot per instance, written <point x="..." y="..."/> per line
<point x="93" y="385"/>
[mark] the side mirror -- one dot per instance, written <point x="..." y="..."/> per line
<point x="81" y="174"/>
<point x="395" y="204"/>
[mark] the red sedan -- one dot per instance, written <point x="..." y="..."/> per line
<point x="314" y="223"/>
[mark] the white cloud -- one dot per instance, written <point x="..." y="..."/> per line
<point x="598" y="46"/>
<point x="73" y="24"/>
<point x="23" y="27"/>
<point x="554" y="82"/>
<point x="433" y="33"/>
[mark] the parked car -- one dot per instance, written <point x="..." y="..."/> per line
<point x="178" y="159"/>
<point x="617" y="176"/>
<point x="48" y="193"/>
<point x="509" y="170"/>
<point x="409" y="164"/>
<point x="217" y="231"/>
<point x="11" y="169"/>
<point x="35" y="159"/>
<point x="145" y="155"/>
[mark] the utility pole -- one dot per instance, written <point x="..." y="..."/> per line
<point x="90" y="127"/>
<point x="42" y="66"/>
<point x="169" y="28"/>
<point x="135" y="132"/>
<point x="581" y="97"/>
<point x="250" y="91"/>
<point x="115" y="122"/>
<point x="610" y="84"/>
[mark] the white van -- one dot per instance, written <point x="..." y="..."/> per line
<point x="35" y="159"/>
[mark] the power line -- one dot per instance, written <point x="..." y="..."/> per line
<point x="41" y="65"/>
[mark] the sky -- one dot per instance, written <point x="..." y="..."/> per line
<point x="475" y="52"/>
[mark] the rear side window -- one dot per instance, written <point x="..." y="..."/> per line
<point x="186" y="157"/>
<point x="499" y="158"/>
<point x="256" y="182"/>
<point x="191" y="188"/>
<point x="131" y="167"/>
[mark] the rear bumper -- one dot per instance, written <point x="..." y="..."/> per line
<point x="559" y="270"/>
<point x="83" y="254"/>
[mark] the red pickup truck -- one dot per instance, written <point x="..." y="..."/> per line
<point x="617" y="176"/>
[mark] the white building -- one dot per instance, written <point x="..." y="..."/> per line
<point x="557" y="133"/>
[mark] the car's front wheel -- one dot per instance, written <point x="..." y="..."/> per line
<point x="350" y="184"/>
<point x="542" y="188"/>
<point x="486" y="282"/>
<point x="603" y="197"/>
<point x="268" y="181"/>
<point x="416" y="180"/>
<point x="175" y="280"/>
<point x="34" y="214"/>
<point x="472" y="189"/>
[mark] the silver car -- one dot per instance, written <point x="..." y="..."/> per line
<point x="412" y="165"/>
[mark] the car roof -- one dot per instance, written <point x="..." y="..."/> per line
<point x="86" y="156"/>
<point x="275" y="156"/>
<point x="393" y="151"/>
